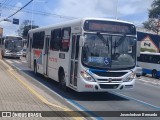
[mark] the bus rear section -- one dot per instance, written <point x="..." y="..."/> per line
<point x="87" y="55"/>
<point x="150" y="63"/>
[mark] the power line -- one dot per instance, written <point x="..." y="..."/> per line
<point x="39" y="12"/>
<point x="19" y="9"/>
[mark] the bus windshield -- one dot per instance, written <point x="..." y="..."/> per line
<point x="109" y="51"/>
<point x="14" y="45"/>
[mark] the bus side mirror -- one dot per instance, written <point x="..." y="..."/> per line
<point x="81" y="41"/>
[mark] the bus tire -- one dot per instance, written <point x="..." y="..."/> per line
<point x="62" y="81"/>
<point x="154" y="73"/>
<point x="35" y="68"/>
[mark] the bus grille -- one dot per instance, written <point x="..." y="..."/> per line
<point x="106" y="80"/>
<point x="109" y="74"/>
<point x="107" y="86"/>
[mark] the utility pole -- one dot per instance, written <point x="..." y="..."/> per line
<point x="117" y="10"/>
<point x="0" y="9"/>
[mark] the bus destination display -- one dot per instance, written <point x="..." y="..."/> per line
<point x="109" y="27"/>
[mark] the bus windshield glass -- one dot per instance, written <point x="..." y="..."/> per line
<point x="109" y="27"/>
<point x="109" y="51"/>
<point x="14" y="45"/>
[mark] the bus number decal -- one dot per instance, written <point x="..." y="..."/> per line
<point x="89" y="86"/>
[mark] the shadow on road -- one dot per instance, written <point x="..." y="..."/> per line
<point x="87" y="96"/>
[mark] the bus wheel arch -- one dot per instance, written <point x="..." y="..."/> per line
<point x="61" y="78"/>
<point x="154" y="73"/>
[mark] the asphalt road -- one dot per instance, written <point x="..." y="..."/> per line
<point x="145" y="97"/>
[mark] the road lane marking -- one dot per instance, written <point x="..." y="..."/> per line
<point x="17" y="61"/>
<point x="134" y="99"/>
<point x="9" y="61"/>
<point x="24" y="61"/>
<point x="10" y="70"/>
<point x="152" y="82"/>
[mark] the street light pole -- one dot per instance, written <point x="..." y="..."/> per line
<point x="32" y="14"/>
<point x="32" y="11"/>
<point x="117" y="9"/>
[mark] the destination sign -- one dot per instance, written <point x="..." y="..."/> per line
<point x="109" y="27"/>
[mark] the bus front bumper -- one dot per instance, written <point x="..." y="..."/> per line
<point x="12" y="54"/>
<point x="87" y="86"/>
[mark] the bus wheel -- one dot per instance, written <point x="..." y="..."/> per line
<point x="62" y="81"/>
<point x="35" y="68"/>
<point x="154" y="73"/>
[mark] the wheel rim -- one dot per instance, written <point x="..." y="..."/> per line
<point x="154" y="74"/>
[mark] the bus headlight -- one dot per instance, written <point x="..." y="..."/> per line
<point x="87" y="76"/>
<point x="130" y="77"/>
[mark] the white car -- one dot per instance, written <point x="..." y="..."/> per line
<point x="24" y="52"/>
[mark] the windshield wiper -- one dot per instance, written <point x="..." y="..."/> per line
<point x="103" y="39"/>
<point x="120" y="41"/>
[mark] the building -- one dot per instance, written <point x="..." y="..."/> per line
<point x="149" y="42"/>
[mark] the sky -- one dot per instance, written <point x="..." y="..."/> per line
<point x="46" y="12"/>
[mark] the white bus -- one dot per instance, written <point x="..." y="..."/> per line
<point x="150" y="63"/>
<point x="12" y="46"/>
<point x="87" y="55"/>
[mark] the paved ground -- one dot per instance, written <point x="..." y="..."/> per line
<point x="149" y="80"/>
<point x="145" y="96"/>
<point x="17" y="94"/>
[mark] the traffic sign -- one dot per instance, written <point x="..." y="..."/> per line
<point x="16" y="21"/>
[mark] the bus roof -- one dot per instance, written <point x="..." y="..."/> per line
<point x="12" y="36"/>
<point x="77" y="21"/>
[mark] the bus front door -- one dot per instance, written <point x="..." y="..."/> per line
<point x="29" y="52"/>
<point x="45" y="56"/>
<point x="74" y="60"/>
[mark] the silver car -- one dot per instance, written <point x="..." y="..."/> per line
<point x="139" y="71"/>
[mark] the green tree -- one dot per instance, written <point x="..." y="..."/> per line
<point x="151" y="25"/>
<point x="154" y="12"/>
<point x="25" y="27"/>
<point x="153" y="22"/>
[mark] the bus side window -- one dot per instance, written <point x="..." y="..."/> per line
<point x="55" y="39"/>
<point x="38" y="40"/>
<point x="65" y="39"/>
<point x="41" y="38"/>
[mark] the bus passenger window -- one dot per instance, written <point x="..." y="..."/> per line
<point x="65" y="39"/>
<point x="38" y="40"/>
<point x="55" y="39"/>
